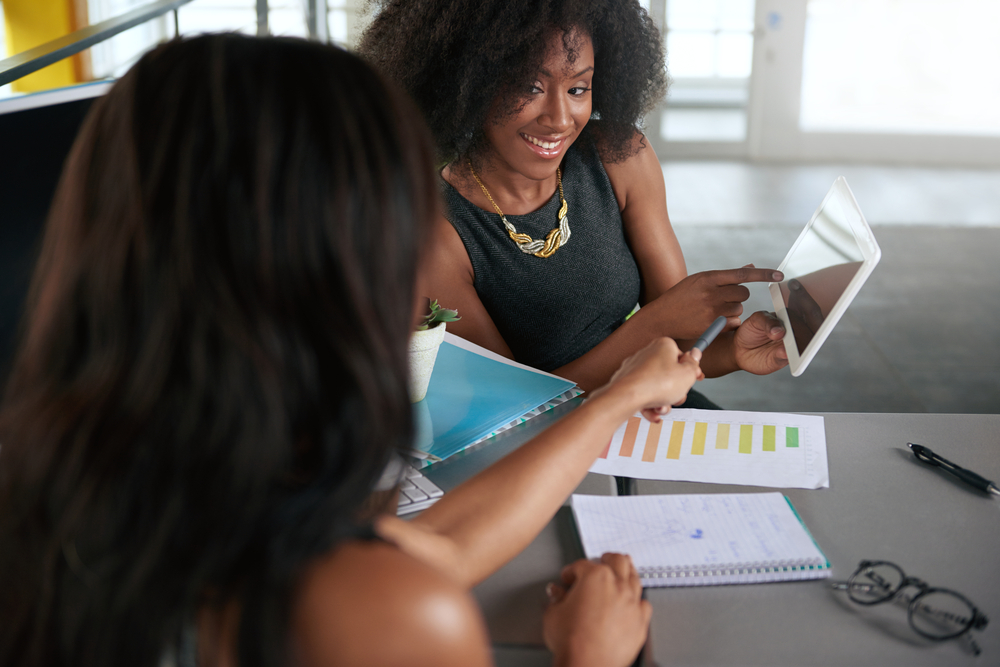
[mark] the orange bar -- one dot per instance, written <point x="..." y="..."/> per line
<point x="604" y="454"/>
<point x="628" y="442"/>
<point x="676" y="434"/>
<point x="652" y="441"/>
<point x="722" y="437"/>
<point x="698" y="444"/>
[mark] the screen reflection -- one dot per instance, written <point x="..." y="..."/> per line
<point x="818" y="270"/>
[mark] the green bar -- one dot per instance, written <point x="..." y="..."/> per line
<point x="769" y="438"/>
<point x="791" y="436"/>
<point x="746" y="437"/>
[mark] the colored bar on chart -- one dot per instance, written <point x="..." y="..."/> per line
<point x="607" y="447"/>
<point x="722" y="437"/>
<point x="769" y="432"/>
<point x="791" y="436"/>
<point x="698" y="444"/>
<point x="652" y="440"/>
<point x="631" y="431"/>
<point x="746" y="438"/>
<point x="676" y="435"/>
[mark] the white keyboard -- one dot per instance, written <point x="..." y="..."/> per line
<point x="416" y="491"/>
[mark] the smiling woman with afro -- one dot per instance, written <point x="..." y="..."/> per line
<point x="555" y="218"/>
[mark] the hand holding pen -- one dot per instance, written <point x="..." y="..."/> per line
<point x="706" y="338"/>
<point x="967" y="476"/>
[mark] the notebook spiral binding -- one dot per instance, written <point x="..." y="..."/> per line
<point x="731" y="570"/>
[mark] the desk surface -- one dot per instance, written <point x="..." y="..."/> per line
<point x="880" y="505"/>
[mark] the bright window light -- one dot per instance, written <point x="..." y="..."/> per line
<point x="920" y="66"/>
<point x="709" y="38"/>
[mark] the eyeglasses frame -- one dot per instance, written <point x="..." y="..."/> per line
<point x="977" y="621"/>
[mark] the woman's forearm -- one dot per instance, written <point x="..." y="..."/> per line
<point x="595" y="368"/>
<point x="496" y="514"/>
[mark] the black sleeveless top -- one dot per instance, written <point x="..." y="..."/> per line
<point x="551" y="311"/>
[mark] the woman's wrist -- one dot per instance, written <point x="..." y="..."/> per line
<point x="568" y="657"/>
<point x="720" y="357"/>
<point x="614" y="402"/>
<point x="576" y="654"/>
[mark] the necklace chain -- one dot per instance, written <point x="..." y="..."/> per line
<point x="537" y="247"/>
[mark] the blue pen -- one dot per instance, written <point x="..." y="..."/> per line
<point x="711" y="332"/>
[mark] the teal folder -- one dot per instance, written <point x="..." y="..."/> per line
<point x="470" y="396"/>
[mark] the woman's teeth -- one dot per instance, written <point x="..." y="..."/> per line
<point x="547" y="145"/>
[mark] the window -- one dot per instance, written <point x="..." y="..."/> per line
<point x="709" y="47"/>
<point x="901" y="67"/>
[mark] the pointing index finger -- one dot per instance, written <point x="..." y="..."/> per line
<point x="748" y="274"/>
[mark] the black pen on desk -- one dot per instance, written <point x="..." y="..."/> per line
<point x="713" y="330"/>
<point x="967" y="476"/>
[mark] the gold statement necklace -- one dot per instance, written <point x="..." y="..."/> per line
<point x="556" y="239"/>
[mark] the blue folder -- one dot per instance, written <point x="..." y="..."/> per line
<point x="470" y="396"/>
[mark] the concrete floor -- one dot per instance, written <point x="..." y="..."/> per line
<point x="924" y="333"/>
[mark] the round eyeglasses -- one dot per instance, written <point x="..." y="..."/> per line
<point x="935" y="613"/>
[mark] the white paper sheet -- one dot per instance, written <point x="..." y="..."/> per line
<point x="723" y="447"/>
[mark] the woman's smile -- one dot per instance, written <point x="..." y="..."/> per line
<point x="545" y="147"/>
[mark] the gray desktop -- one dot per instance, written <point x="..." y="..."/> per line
<point x="881" y="504"/>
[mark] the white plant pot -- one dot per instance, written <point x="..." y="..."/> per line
<point x="423" y="352"/>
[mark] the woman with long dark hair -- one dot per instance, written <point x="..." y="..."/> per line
<point x="212" y="378"/>
<point x="555" y="223"/>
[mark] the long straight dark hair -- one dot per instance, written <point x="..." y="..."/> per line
<point x="212" y="371"/>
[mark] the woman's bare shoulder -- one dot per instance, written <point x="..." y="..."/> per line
<point x="637" y="155"/>
<point x="638" y="174"/>
<point x="368" y="603"/>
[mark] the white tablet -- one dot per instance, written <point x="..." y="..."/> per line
<point x="824" y="270"/>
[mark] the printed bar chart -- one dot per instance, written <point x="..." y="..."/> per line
<point x="756" y="448"/>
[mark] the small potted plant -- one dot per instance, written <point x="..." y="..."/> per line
<point x="424" y="344"/>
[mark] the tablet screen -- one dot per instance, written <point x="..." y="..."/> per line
<point x="818" y="271"/>
<point x="823" y="271"/>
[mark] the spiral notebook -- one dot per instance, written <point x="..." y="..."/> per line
<point x="702" y="540"/>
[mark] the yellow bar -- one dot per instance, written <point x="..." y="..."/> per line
<point x="698" y="444"/>
<point x="769" y="434"/>
<point x="652" y="441"/>
<point x="676" y="435"/>
<point x="628" y="442"/>
<point x="722" y="437"/>
<point x="30" y="23"/>
<point x="746" y="438"/>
